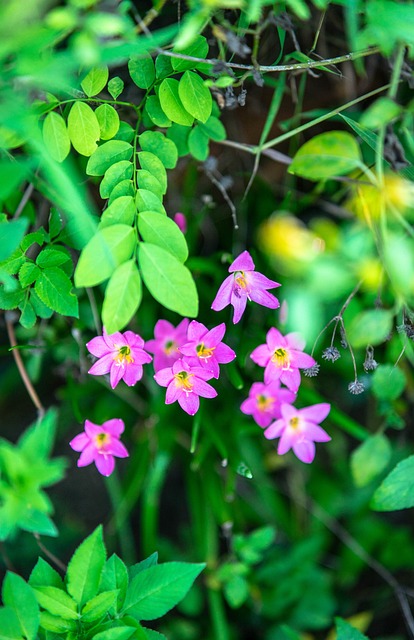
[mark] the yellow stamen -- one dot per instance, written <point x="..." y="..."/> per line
<point x="102" y="439"/>
<point x="294" y="423"/>
<point x="124" y="356"/>
<point x="182" y="380"/>
<point x="241" y="280"/>
<point x="170" y="347"/>
<point x="264" y="402"/>
<point x="281" y="358"/>
<point x="204" y="352"/>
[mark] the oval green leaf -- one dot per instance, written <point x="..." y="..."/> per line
<point x="115" y="174"/>
<point x="198" y="49"/>
<point x="198" y="144"/>
<point x="148" y="201"/>
<point x="142" y="71"/>
<point x="83" y="128"/>
<point x="388" y="382"/>
<point x="171" y="103"/>
<point x="122" y="297"/>
<point x="115" y="87"/>
<point x="108" y="120"/>
<point x="326" y="155"/>
<point x="95" y="81"/>
<point x="153" y="165"/>
<point x="108" y="154"/>
<point x="370" y="327"/>
<point x="56" y="136"/>
<point x="397" y="490"/>
<point x="155" y="112"/>
<point x="109" y="248"/>
<point x="168" y="281"/>
<point x="159" y="145"/>
<point x="121" y="211"/>
<point x="162" y="231"/>
<point x="370" y="459"/>
<point x="195" y="96"/>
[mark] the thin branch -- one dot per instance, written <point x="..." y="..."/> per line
<point x="49" y="554"/>
<point x="22" y="369"/>
<point x="326" y="62"/>
<point x="24" y="200"/>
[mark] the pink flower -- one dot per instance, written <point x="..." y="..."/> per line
<point x="244" y="284"/>
<point x="206" y="348"/>
<point x="283" y="357"/>
<point x="264" y="402"/>
<point x="99" y="444"/>
<point x="185" y="383"/>
<point x="120" y="354"/>
<point x="168" y="339"/>
<point x="299" y="429"/>
<point x="181" y="222"/>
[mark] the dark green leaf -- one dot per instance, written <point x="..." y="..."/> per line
<point x="388" y="382"/>
<point x="179" y="135"/>
<point x="85" y="568"/>
<point x="55" y="289"/>
<point x="142" y="71"/>
<point x="397" y="490"/>
<point x="370" y="459"/>
<point x="198" y="144"/>
<point x="346" y="632"/>
<point x="213" y="128"/>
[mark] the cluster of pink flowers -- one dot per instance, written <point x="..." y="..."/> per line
<point x="186" y="357"/>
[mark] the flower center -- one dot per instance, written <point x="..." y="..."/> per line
<point x="182" y="380"/>
<point x="281" y="358"/>
<point x="101" y="441"/>
<point x="170" y="347"/>
<point x="294" y="423"/>
<point x="204" y="352"/>
<point x="264" y="403"/>
<point x="241" y="287"/>
<point x="124" y="356"/>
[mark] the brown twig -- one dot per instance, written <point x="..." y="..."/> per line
<point x="49" y="554"/>
<point x="22" y="369"/>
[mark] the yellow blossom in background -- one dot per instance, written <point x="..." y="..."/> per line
<point x="395" y="196"/>
<point x="371" y="272"/>
<point x="286" y="239"/>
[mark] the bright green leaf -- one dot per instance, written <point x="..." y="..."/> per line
<point x="378" y="114"/>
<point x="115" y="576"/>
<point x="28" y="316"/>
<point x="370" y="459"/>
<point x="51" y="257"/>
<point x="213" y="128"/>
<point x="179" y="135"/>
<point x="95" y="81"/>
<point x="122" y="297"/>
<point x="345" y="631"/>
<point x="122" y="189"/>
<point x="388" y="382"/>
<point x="83" y="128"/>
<point x="57" y="602"/>
<point x="9" y="625"/>
<point x="197" y="49"/>
<point x="159" y="145"/>
<point x="109" y="248"/>
<point x="195" y="96"/>
<point x="155" y="112"/>
<point x="121" y="211"/>
<point x="11" y="234"/>
<point x="85" y="568"/>
<point x="151" y="163"/>
<point x="115" y="87"/>
<point x="43" y="575"/>
<point x="108" y="154"/>
<point x="397" y="490"/>
<point x="370" y="327"/>
<point x="326" y="155"/>
<point x="142" y="71"/>
<point x="148" y="201"/>
<point x="54" y="288"/>
<point x="162" y="231"/>
<point x="168" y="281"/>
<point x="198" y="144"/>
<point x="19" y="596"/>
<point x="171" y="102"/>
<point x="56" y="136"/>
<point x="98" y="606"/>
<point x="148" y="182"/>
<point x="116" y="173"/>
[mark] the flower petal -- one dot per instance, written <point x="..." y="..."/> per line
<point x="316" y="412"/>
<point x="87" y="456"/>
<point x="102" y="366"/>
<point x="213" y="337"/>
<point x="275" y="429"/>
<point x="286" y="442"/>
<point x="315" y="432"/>
<point x="304" y="450"/>
<point x="301" y="360"/>
<point x="259" y="281"/>
<point x="261" y="355"/>
<point x="275" y="340"/>
<point x="264" y="298"/>
<point x="114" y="427"/>
<point x="173" y="393"/>
<point x="163" y="377"/>
<point x="243" y="262"/>
<point x="117" y="449"/>
<point x="196" y="330"/>
<point x="163" y="329"/>
<point x="105" y="464"/>
<point x="132" y="373"/>
<point x="97" y="347"/>
<point x="190" y="403"/>
<point x="79" y="442"/>
<point x="134" y="340"/>
<point x="295" y="341"/>
<point x="92" y="429"/>
<point x="204" y="389"/>
<point x="239" y="305"/>
<point x="223" y="296"/>
<point x="291" y="379"/>
<point x="224" y="353"/>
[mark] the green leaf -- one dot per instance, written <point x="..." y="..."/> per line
<point x="117" y="633"/>
<point x="135" y="569"/>
<point x="125" y="132"/>
<point x="122" y="297"/>
<point x="98" y="606"/>
<point x="378" y="114"/>
<point x="142" y="71"/>
<point x="57" y="602"/>
<point x="162" y="231"/>
<point x="28" y="316"/>
<point x="197" y="49"/>
<point x="9" y="625"/>
<point x="108" y="154"/>
<point x="43" y="575"/>
<point x="370" y="327"/>
<point x="171" y="102"/>
<point x="163" y="67"/>
<point x="11" y="234"/>
<point x="116" y="173"/>
<point x="54" y="288"/>
<point x="56" y="624"/>
<point x="85" y="568"/>
<point x="148" y="201"/>
<point x="326" y="155"/>
<point x="154" y="635"/>
<point x="95" y="81"/>
<point x="19" y="596"/>
<point x="160" y="146"/>
<point x="28" y="273"/>
<point x="397" y="490"/>
<point x="198" y="144"/>
<point x="153" y="165"/>
<point x="38" y="522"/>
<point x="108" y="120"/>
<point x="121" y="211"/>
<point x="155" y="112"/>
<point x="12" y="174"/>
<point x="213" y="129"/>
<point x="345" y="631"/>
<point x="56" y="136"/>
<point x="83" y="128"/>
<point x="115" y="87"/>
<point x="179" y="135"/>
<point x="115" y="576"/>
<point x="388" y="382"/>
<point x="236" y="591"/>
<point x="195" y="96"/>
<point x="51" y="257"/>
<point x="370" y="459"/>
<point x="109" y="248"/>
<point x="41" y="309"/>
<point x="148" y="182"/>
<point x="168" y="281"/>
<point x="122" y="189"/>
<point x="156" y="590"/>
<point x="37" y="441"/>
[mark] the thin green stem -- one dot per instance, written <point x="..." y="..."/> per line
<point x="396" y="72"/>
<point x="218" y="617"/>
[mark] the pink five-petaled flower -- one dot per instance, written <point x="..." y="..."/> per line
<point x="264" y="402"/>
<point x="120" y="354"/>
<point x="168" y="339"/>
<point x="185" y="383"/>
<point x="244" y="284"/>
<point x="283" y="357"/>
<point x="99" y="444"/>
<point x="206" y="348"/>
<point x="299" y="429"/>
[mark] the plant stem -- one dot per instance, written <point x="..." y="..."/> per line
<point x="218" y="616"/>
<point x="124" y="531"/>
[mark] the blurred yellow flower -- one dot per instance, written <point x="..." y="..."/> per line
<point x="368" y="201"/>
